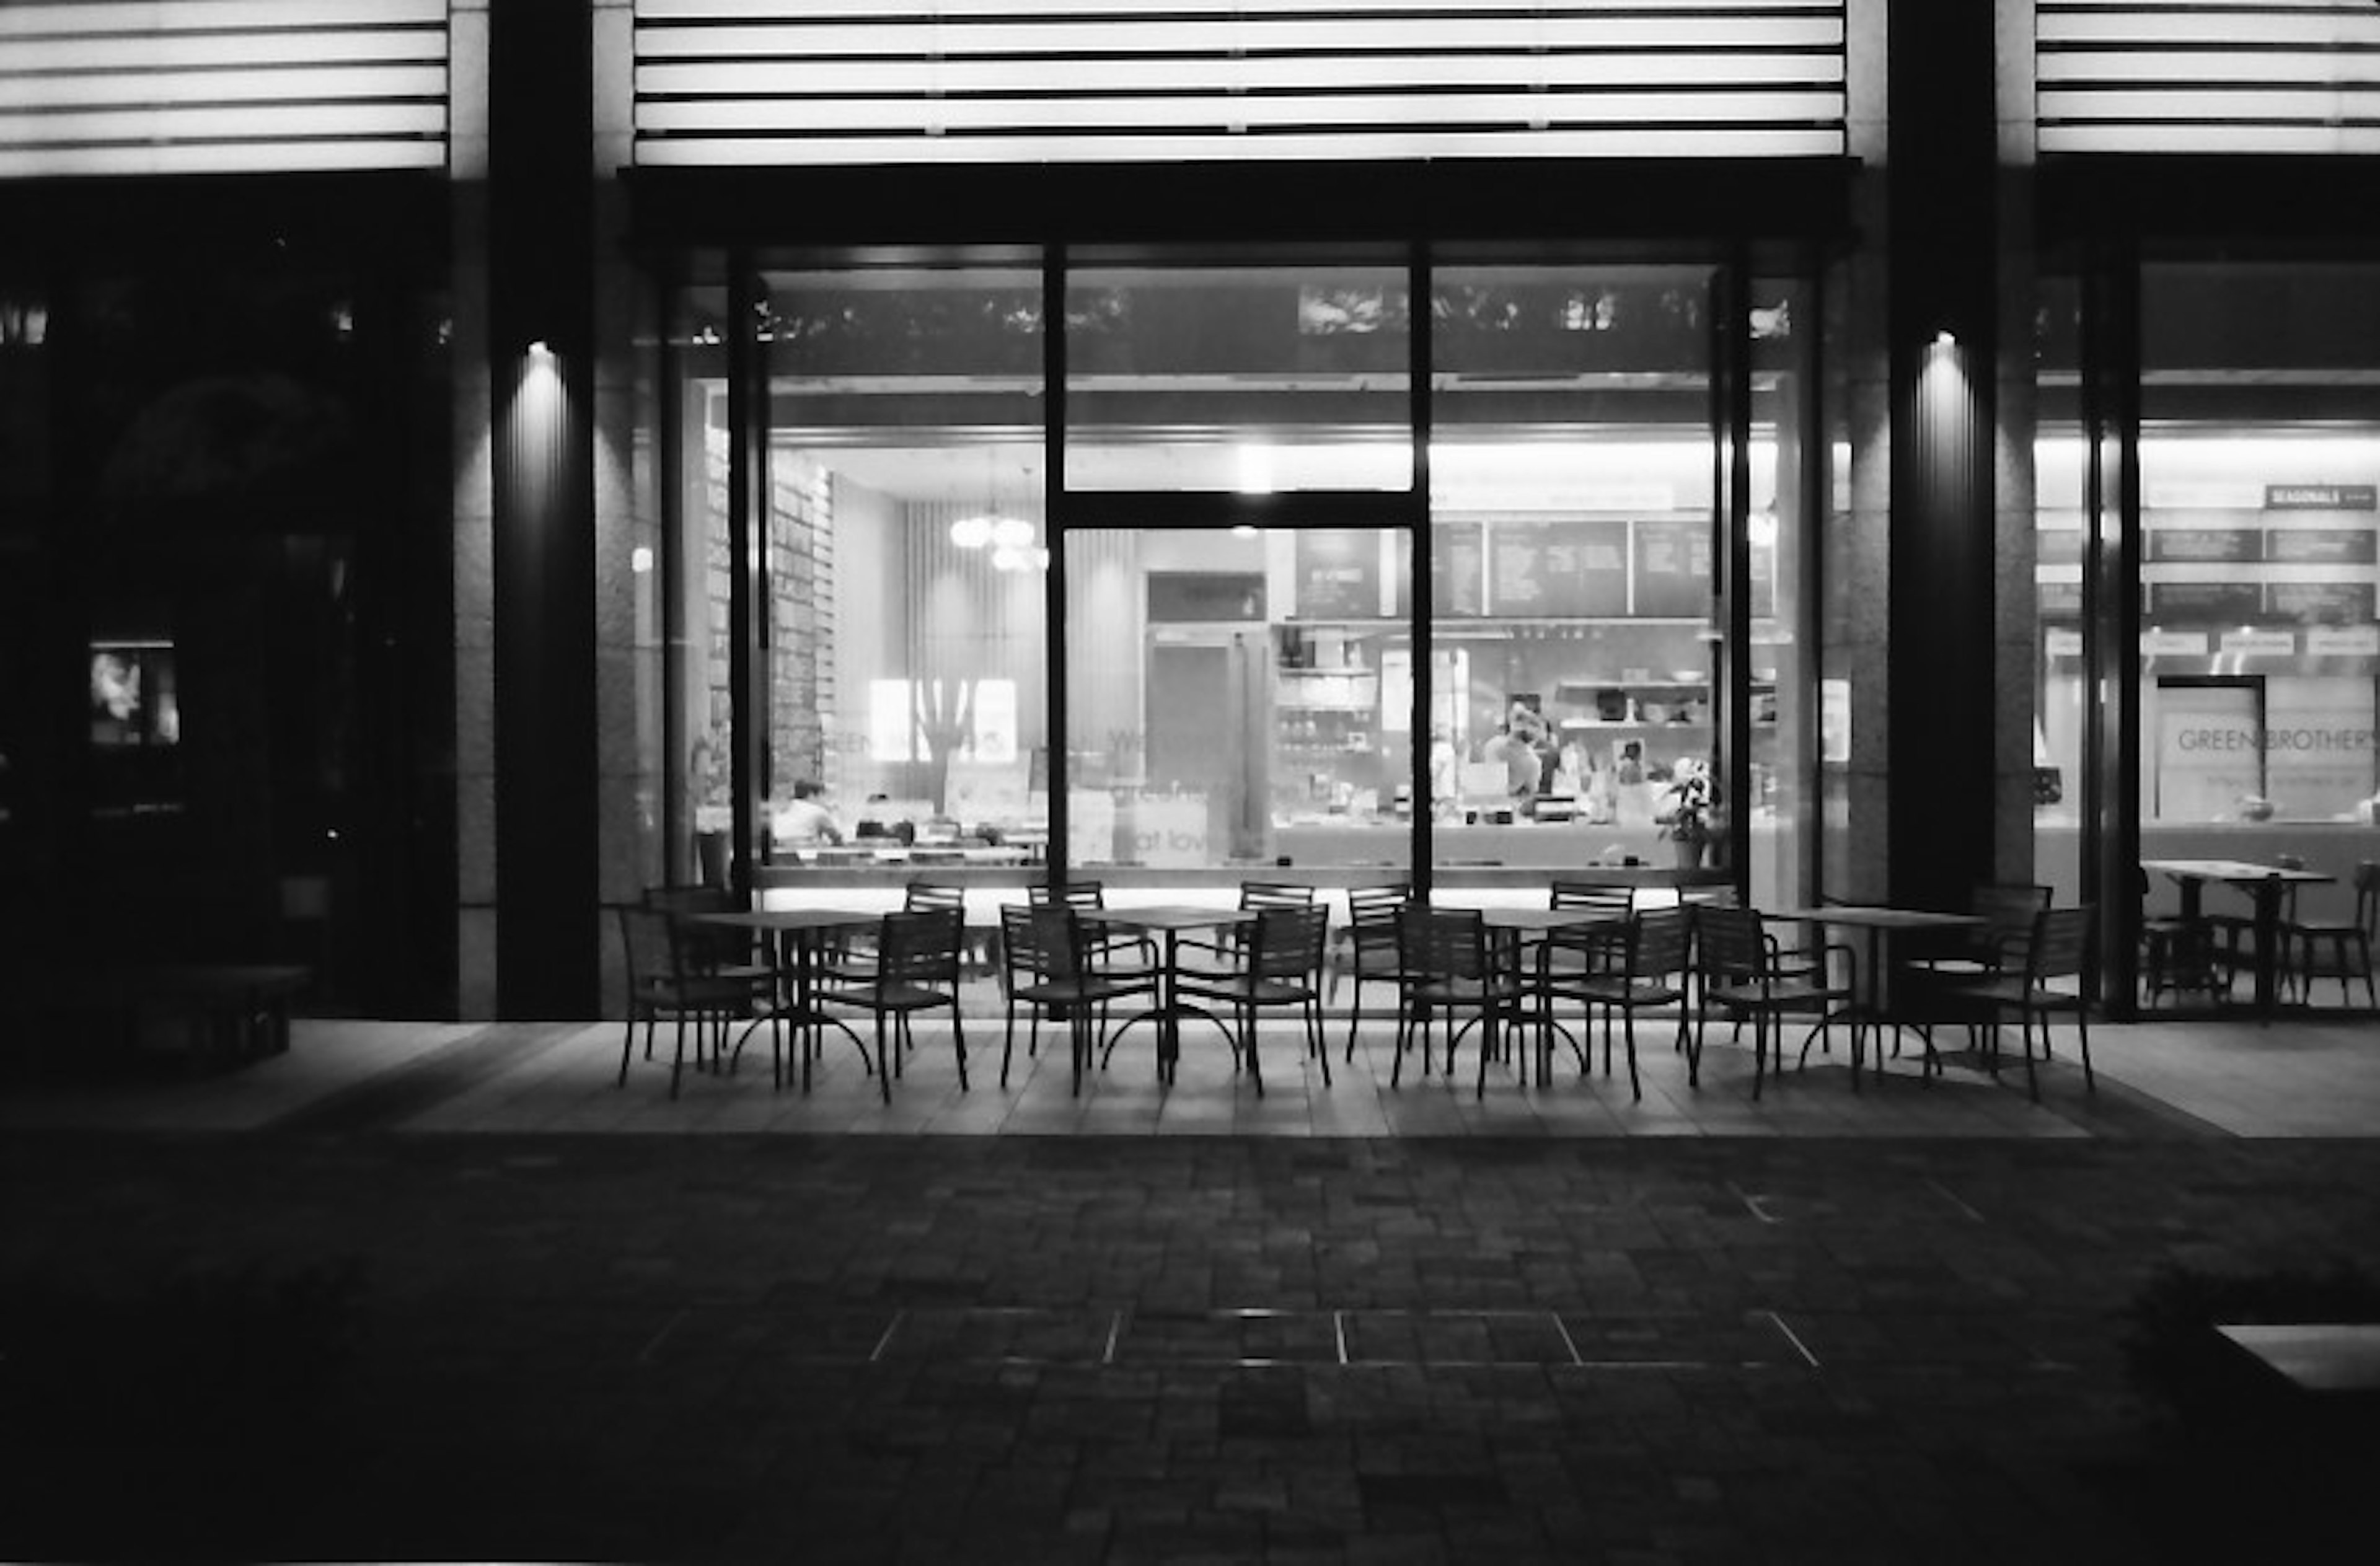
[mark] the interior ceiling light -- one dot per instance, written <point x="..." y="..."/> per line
<point x="1010" y="533"/>
<point x="971" y="532"/>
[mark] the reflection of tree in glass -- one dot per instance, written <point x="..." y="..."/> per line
<point x="945" y="716"/>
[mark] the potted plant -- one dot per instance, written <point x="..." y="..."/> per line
<point x="1685" y="812"/>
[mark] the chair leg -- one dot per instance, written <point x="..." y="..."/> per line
<point x="1628" y="1023"/>
<point x="2082" y="1044"/>
<point x="1317" y="1044"/>
<point x="958" y="1042"/>
<point x="628" y="1048"/>
<point x="1249" y="1034"/>
<point x="2032" y="1079"/>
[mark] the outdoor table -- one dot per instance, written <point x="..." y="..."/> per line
<point x="2266" y="884"/>
<point x="802" y="932"/>
<point x="1879" y="922"/>
<point x="1167" y="921"/>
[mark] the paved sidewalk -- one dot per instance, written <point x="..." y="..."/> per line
<point x="438" y="1293"/>
<point x="1106" y="1349"/>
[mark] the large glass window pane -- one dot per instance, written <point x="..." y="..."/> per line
<point x="2061" y="490"/>
<point x="688" y="596"/>
<point x="1572" y="565"/>
<point x="904" y="552"/>
<point x="2260" y="561"/>
<point x="1251" y="381"/>
<point x="1238" y="697"/>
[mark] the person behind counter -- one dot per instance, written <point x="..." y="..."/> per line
<point x="805" y="823"/>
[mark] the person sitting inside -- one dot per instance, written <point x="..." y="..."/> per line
<point x="805" y="823"/>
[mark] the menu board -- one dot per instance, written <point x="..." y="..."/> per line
<point x="2231" y="602"/>
<point x="2333" y="603"/>
<point x="1673" y="568"/>
<point x="1560" y="568"/>
<point x="2207" y="543"/>
<point x="1458" y="567"/>
<point x="2330" y="546"/>
<point x="1337" y="574"/>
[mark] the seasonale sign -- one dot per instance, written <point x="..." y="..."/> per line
<point x="2322" y="497"/>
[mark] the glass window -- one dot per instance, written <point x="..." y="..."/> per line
<point x="1572" y="566"/>
<point x="2260" y="517"/>
<point x="905" y="547"/>
<point x="1250" y="381"/>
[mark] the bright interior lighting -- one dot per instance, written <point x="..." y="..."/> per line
<point x="1761" y="528"/>
<point x="971" y="532"/>
<point x="539" y="349"/>
<point x="1256" y="471"/>
<point x="1243" y="531"/>
<point x="1946" y="339"/>
<point x="1010" y="533"/>
<point x="1008" y="557"/>
<point x="641" y="560"/>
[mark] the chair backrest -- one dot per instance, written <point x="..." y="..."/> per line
<point x="1443" y="943"/>
<point x="1373" y="911"/>
<point x="1287" y="943"/>
<point x="920" y="895"/>
<point x="2367" y="897"/>
<point x="1598" y="896"/>
<point x="2060" y="947"/>
<point x="2006" y="909"/>
<point x="697" y="947"/>
<point x="919" y="946"/>
<point x="1274" y="895"/>
<point x="1730" y="943"/>
<point x="1074" y="895"/>
<point x="647" y="945"/>
<point x="1661" y="941"/>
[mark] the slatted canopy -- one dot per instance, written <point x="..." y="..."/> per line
<point x="2208" y="75"/>
<point x="222" y="86"/>
<point x="895" y="81"/>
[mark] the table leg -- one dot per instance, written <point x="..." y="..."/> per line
<point x="2268" y="934"/>
<point x="1169" y="1016"/>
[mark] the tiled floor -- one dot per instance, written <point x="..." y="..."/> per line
<point x="401" y="1294"/>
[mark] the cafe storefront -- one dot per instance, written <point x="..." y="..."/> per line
<point x="1356" y="569"/>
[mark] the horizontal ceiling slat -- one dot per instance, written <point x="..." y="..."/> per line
<point x="742" y="81"/>
<point x="2226" y="76"/>
<point x="731" y="80"/>
<point x="1645" y="141"/>
<point x="222" y="86"/>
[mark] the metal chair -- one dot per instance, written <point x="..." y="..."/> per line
<point x="1645" y="965"/>
<point x="1368" y="946"/>
<point x="1745" y="972"/>
<point x="661" y="987"/>
<point x="2320" y="949"/>
<point x="917" y="969"/>
<point x="1446" y="966"/>
<point x="2060" y="948"/>
<point x="2177" y="955"/>
<point x="1280" y="964"/>
<point x="1051" y="966"/>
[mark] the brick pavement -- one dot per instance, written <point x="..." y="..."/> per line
<point x="1116" y="1350"/>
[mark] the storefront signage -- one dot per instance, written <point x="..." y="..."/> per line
<point x="2334" y="603"/>
<point x="2167" y="644"/>
<point x="2342" y="641"/>
<point x="1672" y="569"/>
<point x="2322" y="497"/>
<point x="2330" y="546"/>
<point x="2254" y="644"/>
<point x="2207" y="543"/>
<point x="1560" y="568"/>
